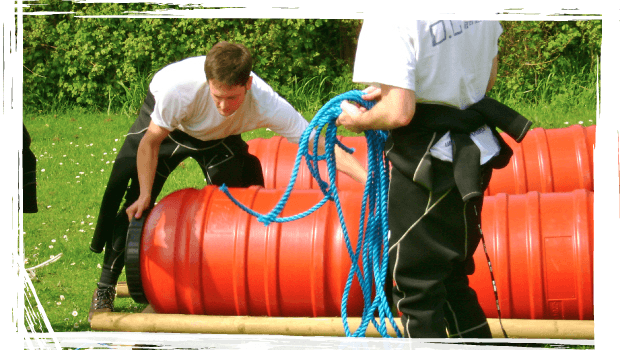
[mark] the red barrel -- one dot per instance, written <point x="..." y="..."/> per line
<point x="201" y="254"/>
<point x="541" y="247"/>
<point x="277" y="156"/>
<point x="548" y="160"/>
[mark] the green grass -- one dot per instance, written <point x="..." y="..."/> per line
<point x="76" y="149"/>
<point x="557" y="101"/>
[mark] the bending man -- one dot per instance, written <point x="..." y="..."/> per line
<point x="198" y="108"/>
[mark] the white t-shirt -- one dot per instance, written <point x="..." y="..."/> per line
<point x="183" y="101"/>
<point x="444" y="61"/>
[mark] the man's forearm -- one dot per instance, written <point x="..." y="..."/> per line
<point x="147" y="165"/>
<point x="345" y="162"/>
<point x="380" y="117"/>
<point x="349" y="165"/>
<point x="395" y="109"/>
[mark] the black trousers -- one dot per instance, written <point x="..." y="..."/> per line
<point x="433" y="237"/>
<point x="222" y="161"/>
<point x="29" y="179"/>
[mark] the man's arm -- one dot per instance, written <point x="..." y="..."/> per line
<point x="148" y="152"/>
<point x="345" y="162"/>
<point x="493" y="74"/>
<point x="348" y="164"/>
<point x="395" y="108"/>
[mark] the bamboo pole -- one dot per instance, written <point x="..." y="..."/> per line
<point x="148" y="321"/>
<point x="122" y="291"/>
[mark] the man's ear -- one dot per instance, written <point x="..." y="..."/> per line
<point x="248" y="85"/>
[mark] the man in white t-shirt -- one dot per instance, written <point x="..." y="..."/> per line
<point x="198" y="108"/>
<point x="430" y="79"/>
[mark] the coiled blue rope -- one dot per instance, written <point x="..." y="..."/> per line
<point x="372" y="241"/>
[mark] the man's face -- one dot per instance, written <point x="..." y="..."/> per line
<point x="228" y="98"/>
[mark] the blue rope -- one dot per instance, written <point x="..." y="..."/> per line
<point x="372" y="241"/>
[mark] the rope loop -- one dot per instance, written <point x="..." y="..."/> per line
<point x="372" y="244"/>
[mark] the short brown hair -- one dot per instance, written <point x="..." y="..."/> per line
<point x="228" y="63"/>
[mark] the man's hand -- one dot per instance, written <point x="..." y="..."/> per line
<point x="138" y="207"/>
<point x="372" y="93"/>
<point x="345" y="162"/>
<point x="351" y="112"/>
<point x="395" y="108"/>
<point x="346" y="118"/>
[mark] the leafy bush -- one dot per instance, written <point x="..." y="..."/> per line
<point x="536" y="57"/>
<point x="106" y="63"/>
<point x="97" y="62"/>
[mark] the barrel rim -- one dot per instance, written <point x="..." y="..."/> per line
<point x="132" y="259"/>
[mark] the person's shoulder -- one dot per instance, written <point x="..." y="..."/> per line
<point x="187" y="67"/>
<point x="376" y="23"/>
<point x="266" y="101"/>
<point x="190" y="62"/>
<point x="185" y="74"/>
<point x="258" y="81"/>
<point x="261" y="91"/>
<point x="193" y="62"/>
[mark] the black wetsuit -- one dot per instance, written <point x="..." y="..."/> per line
<point x="434" y="211"/>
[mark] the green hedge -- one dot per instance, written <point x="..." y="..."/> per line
<point x="89" y="61"/>
<point x="537" y="56"/>
<point x="103" y="62"/>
